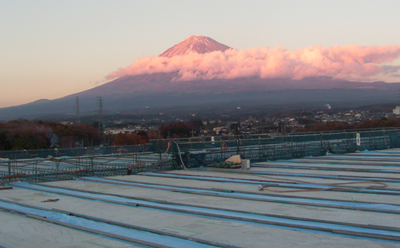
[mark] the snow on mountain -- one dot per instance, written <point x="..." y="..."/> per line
<point x="196" y="44"/>
<point x="202" y="58"/>
<point x="154" y="81"/>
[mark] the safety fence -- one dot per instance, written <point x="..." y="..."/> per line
<point x="159" y="146"/>
<point x="288" y="146"/>
<point x="61" y="168"/>
<point x="58" y="152"/>
<point x="161" y="155"/>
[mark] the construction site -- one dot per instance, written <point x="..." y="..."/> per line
<point x="333" y="189"/>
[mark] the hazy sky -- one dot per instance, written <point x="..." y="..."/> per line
<point x="50" y="49"/>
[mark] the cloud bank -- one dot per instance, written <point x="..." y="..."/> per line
<point x="346" y="62"/>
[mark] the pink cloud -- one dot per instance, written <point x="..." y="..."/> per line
<point x="347" y="62"/>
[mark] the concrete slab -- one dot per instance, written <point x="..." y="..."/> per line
<point x="174" y="216"/>
<point x="243" y="235"/>
<point x="253" y="189"/>
<point x="20" y="231"/>
<point x="330" y="214"/>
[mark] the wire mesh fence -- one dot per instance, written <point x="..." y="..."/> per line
<point x="66" y="164"/>
<point x="57" y="152"/>
<point x="61" y="168"/>
<point x="288" y="146"/>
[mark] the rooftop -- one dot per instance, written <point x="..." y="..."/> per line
<point x="349" y="200"/>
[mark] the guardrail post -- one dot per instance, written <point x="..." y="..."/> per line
<point x="9" y="172"/>
<point x="91" y="164"/>
<point x="35" y="170"/>
<point x="57" y="167"/>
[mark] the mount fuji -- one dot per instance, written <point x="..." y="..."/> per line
<point x="132" y="90"/>
<point x="194" y="44"/>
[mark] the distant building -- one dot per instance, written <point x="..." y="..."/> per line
<point x="123" y="130"/>
<point x="396" y="111"/>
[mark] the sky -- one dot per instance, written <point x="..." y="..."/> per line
<point x="51" y="49"/>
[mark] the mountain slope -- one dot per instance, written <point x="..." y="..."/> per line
<point x="163" y="90"/>
<point x="196" y="44"/>
<point x="165" y="83"/>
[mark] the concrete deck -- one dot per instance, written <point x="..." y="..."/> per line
<point x="311" y="202"/>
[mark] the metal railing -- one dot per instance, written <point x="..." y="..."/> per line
<point x="289" y="146"/>
<point x="65" y="164"/>
<point x="61" y="168"/>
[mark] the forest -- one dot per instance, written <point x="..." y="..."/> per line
<point x="25" y="134"/>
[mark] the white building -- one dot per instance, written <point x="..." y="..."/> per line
<point x="396" y="111"/>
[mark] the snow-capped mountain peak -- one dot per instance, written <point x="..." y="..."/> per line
<point x="196" y="44"/>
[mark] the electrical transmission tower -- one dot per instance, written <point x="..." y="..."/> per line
<point x="78" y="118"/>
<point x="100" y="127"/>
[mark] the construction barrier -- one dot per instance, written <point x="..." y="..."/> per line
<point x="65" y="164"/>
